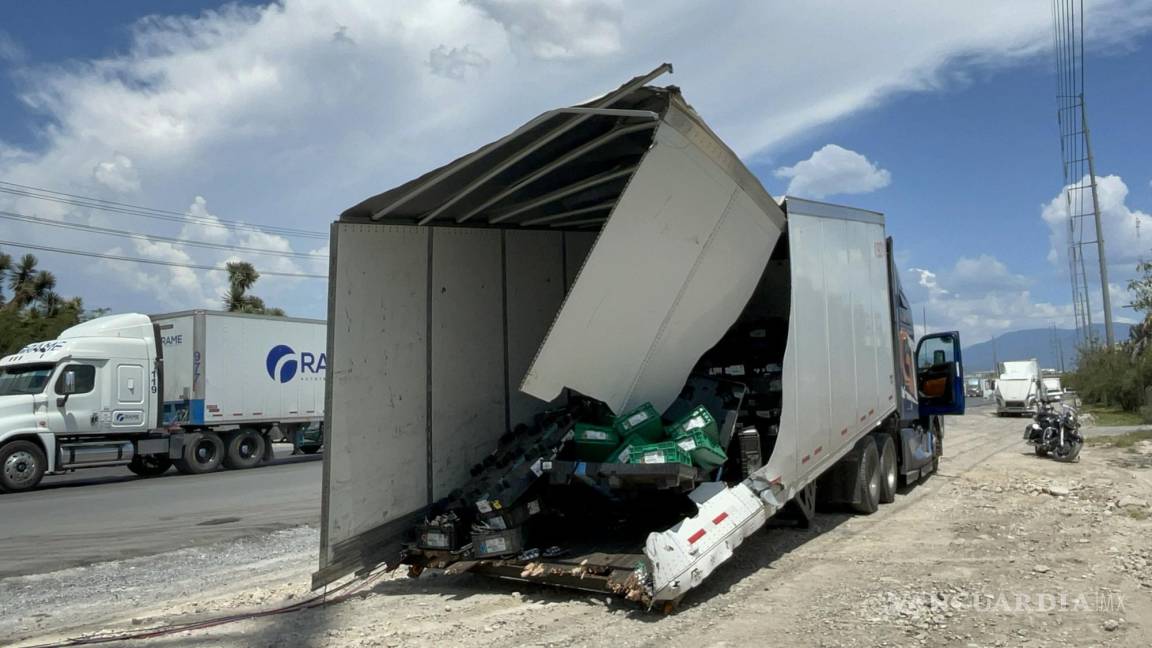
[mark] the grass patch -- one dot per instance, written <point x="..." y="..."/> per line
<point x="1108" y="416"/>
<point x="1120" y="440"/>
<point x="1137" y="513"/>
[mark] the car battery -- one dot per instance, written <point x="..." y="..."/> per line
<point x="751" y="457"/>
<point x="439" y="537"/>
<point x="644" y="422"/>
<point x="496" y="543"/>
<point x="510" y="488"/>
<point x="508" y="518"/>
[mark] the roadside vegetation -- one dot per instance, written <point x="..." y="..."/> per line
<point x="1128" y="440"/>
<point x="1114" y="384"/>
<point x="30" y="308"/>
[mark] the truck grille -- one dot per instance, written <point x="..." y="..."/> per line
<point x="1013" y="403"/>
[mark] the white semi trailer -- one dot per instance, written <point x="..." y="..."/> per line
<point x="619" y="250"/>
<point x="1019" y="390"/>
<point x="195" y="389"/>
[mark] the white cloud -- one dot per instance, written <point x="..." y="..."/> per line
<point x="286" y="114"/>
<point x="980" y="297"/>
<point x="1127" y="231"/>
<point x="559" y="29"/>
<point x="10" y="50"/>
<point x="117" y="174"/>
<point x="833" y="170"/>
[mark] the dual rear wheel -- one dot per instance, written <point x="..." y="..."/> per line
<point x="206" y="451"/>
<point x="877" y="477"/>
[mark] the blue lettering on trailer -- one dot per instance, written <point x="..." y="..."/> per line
<point x="283" y="363"/>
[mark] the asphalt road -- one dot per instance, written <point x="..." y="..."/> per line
<point x="106" y="514"/>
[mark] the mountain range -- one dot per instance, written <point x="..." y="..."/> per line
<point x="1044" y="344"/>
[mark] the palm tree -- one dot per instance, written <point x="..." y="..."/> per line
<point x="28" y="285"/>
<point x="5" y="266"/>
<point x="241" y="277"/>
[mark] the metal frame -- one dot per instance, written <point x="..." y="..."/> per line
<point x="581" y="117"/>
<point x="559" y="162"/>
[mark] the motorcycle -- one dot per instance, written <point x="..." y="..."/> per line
<point x="1055" y="435"/>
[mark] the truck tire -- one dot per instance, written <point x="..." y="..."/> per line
<point x="889" y="479"/>
<point x="22" y="466"/>
<point x="150" y="465"/>
<point x="245" y="449"/>
<point x="203" y="452"/>
<point x="868" y="480"/>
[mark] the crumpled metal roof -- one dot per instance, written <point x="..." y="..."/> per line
<point x="564" y="169"/>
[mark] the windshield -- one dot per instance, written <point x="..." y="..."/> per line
<point x="24" y="379"/>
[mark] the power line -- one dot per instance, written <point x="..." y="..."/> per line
<point x="76" y="200"/>
<point x="174" y="264"/>
<point x="37" y="220"/>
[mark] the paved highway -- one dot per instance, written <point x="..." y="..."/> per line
<point x="105" y="514"/>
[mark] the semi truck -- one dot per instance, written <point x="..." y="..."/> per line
<point x="197" y="390"/>
<point x="617" y="252"/>
<point x="1019" y="390"/>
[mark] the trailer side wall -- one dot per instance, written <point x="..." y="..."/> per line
<point x="432" y="331"/>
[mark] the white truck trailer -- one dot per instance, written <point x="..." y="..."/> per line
<point x="195" y="389"/>
<point x="1019" y="390"/>
<point x="617" y="250"/>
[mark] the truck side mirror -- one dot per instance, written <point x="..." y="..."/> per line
<point x="69" y="387"/>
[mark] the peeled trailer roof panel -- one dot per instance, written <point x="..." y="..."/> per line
<point x="602" y="248"/>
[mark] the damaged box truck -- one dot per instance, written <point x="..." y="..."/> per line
<point x="596" y="353"/>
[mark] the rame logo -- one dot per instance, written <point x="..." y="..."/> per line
<point x="281" y="363"/>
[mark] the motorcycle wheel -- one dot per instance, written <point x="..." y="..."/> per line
<point x="1068" y="452"/>
<point x="1041" y="451"/>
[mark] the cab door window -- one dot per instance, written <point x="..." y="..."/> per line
<point x="85" y="378"/>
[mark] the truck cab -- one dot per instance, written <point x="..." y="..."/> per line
<point x="78" y="399"/>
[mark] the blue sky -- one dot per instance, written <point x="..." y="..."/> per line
<point x="943" y="117"/>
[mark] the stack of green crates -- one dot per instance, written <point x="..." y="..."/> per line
<point x="642" y="422"/>
<point x="594" y="442"/>
<point x="699" y="436"/>
<point x="698" y="420"/>
<point x="663" y="452"/>
<point x="623" y="452"/>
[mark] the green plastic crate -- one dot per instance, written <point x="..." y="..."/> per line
<point x="594" y="442"/>
<point x="659" y="453"/>
<point x="704" y="452"/>
<point x="699" y="420"/>
<point x="643" y="422"/>
<point x="623" y="453"/>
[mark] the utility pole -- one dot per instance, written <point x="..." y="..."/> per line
<point x="995" y="362"/>
<point x="1109" y="338"/>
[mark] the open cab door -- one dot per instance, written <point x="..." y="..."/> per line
<point x="940" y="374"/>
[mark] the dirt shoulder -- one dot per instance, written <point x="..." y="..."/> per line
<point x="1002" y="548"/>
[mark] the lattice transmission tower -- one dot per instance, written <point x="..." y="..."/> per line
<point x="1081" y="199"/>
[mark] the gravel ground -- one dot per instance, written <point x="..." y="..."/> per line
<point x="1000" y="549"/>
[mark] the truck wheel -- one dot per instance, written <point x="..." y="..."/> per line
<point x="245" y="449"/>
<point x="22" y="465"/>
<point x="150" y="465"/>
<point x="202" y="453"/>
<point x="868" y="480"/>
<point x="889" y="477"/>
